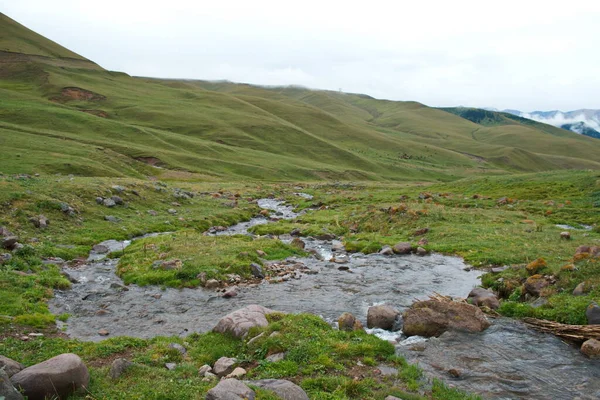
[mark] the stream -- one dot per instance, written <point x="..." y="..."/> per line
<point x="508" y="361"/>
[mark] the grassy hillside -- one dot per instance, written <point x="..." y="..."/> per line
<point x="16" y="38"/>
<point x="63" y="114"/>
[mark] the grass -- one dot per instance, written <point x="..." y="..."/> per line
<point x="214" y="256"/>
<point x="321" y="360"/>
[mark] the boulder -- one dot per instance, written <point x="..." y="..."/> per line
<point x="230" y="389"/>
<point x="224" y="366"/>
<point x="239" y="322"/>
<point x="402" y="248"/>
<point x="285" y="390"/>
<point x="118" y="367"/>
<point x="591" y="348"/>
<point x="348" y="322"/>
<point x="534" y="284"/>
<point x="9" y="366"/>
<point x="382" y="316"/>
<point x="483" y="297"/>
<point x="118" y="200"/>
<point x="7" y="390"/>
<point x="593" y="314"/>
<point x="59" y="377"/>
<point x="432" y="318"/>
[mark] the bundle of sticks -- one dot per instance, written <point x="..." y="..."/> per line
<point x="579" y="333"/>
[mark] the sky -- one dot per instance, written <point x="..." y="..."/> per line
<point x="527" y="55"/>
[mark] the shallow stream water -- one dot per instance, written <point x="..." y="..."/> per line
<point x="507" y="361"/>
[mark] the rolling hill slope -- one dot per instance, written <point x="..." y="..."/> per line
<point x="61" y="113"/>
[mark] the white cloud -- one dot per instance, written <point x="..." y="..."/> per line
<point x="514" y="54"/>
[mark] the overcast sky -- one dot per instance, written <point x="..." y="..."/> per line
<point x="525" y="54"/>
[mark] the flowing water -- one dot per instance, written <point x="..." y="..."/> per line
<point x="507" y="361"/>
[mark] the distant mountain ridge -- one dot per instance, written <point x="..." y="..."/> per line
<point x="584" y="121"/>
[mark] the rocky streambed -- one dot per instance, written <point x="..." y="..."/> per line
<point x="507" y="361"/>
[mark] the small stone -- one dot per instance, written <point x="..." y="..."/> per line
<point x="103" y="332"/>
<point x="276" y="357"/>
<point x="386" y="251"/>
<point x="402" y="248"/>
<point x="178" y="347"/>
<point x="209" y="377"/>
<point x="454" y="372"/>
<point x="204" y="369"/>
<point x="257" y="271"/>
<point x="348" y="322"/>
<point x="420" y="232"/>
<point x="579" y="290"/>
<point x="118" y="367"/>
<point x="237" y="373"/>
<point x="109" y="203"/>
<point x="224" y="366"/>
<point x="100" y="249"/>
<point x="212" y="284"/>
<point x="170" y="366"/>
<point x="172" y="211"/>
<point x="153" y="213"/>
<point x="565" y="235"/>
<point x="230" y="293"/>
<point x="229" y="389"/>
<point x="298" y="243"/>
<point x="111" y="218"/>
<point x="421" y="251"/>
<point x="118" y="200"/>
<point x="99" y="200"/>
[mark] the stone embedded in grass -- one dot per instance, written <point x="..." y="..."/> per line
<point x="118" y="200"/>
<point x="204" y="369"/>
<point x="420" y="232"/>
<point x="59" y="376"/>
<point x="421" y="251"/>
<point x="40" y="222"/>
<point x="236" y="373"/>
<point x="118" y="367"/>
<point x="111" y="218"/>
<point x="229" y="389"/>
<point x="109" y="203"/>
<point x="536" y="266"/>
<point x="580" y="289"/>
<point x="169" y="265"/>
<point x="170" y="366"/>
<point x="172" y="211"/>
<point x="10" y="242"/>
<point x="182" y="350"/>
<point x="239" y="322"/>
<point x="224" y="366"/>
<point x="284" y="389"/>
<point x="535" y="283"/>
<point x="565" y="235"/>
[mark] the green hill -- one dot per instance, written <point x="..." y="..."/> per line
<point x="63" y="113"/>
